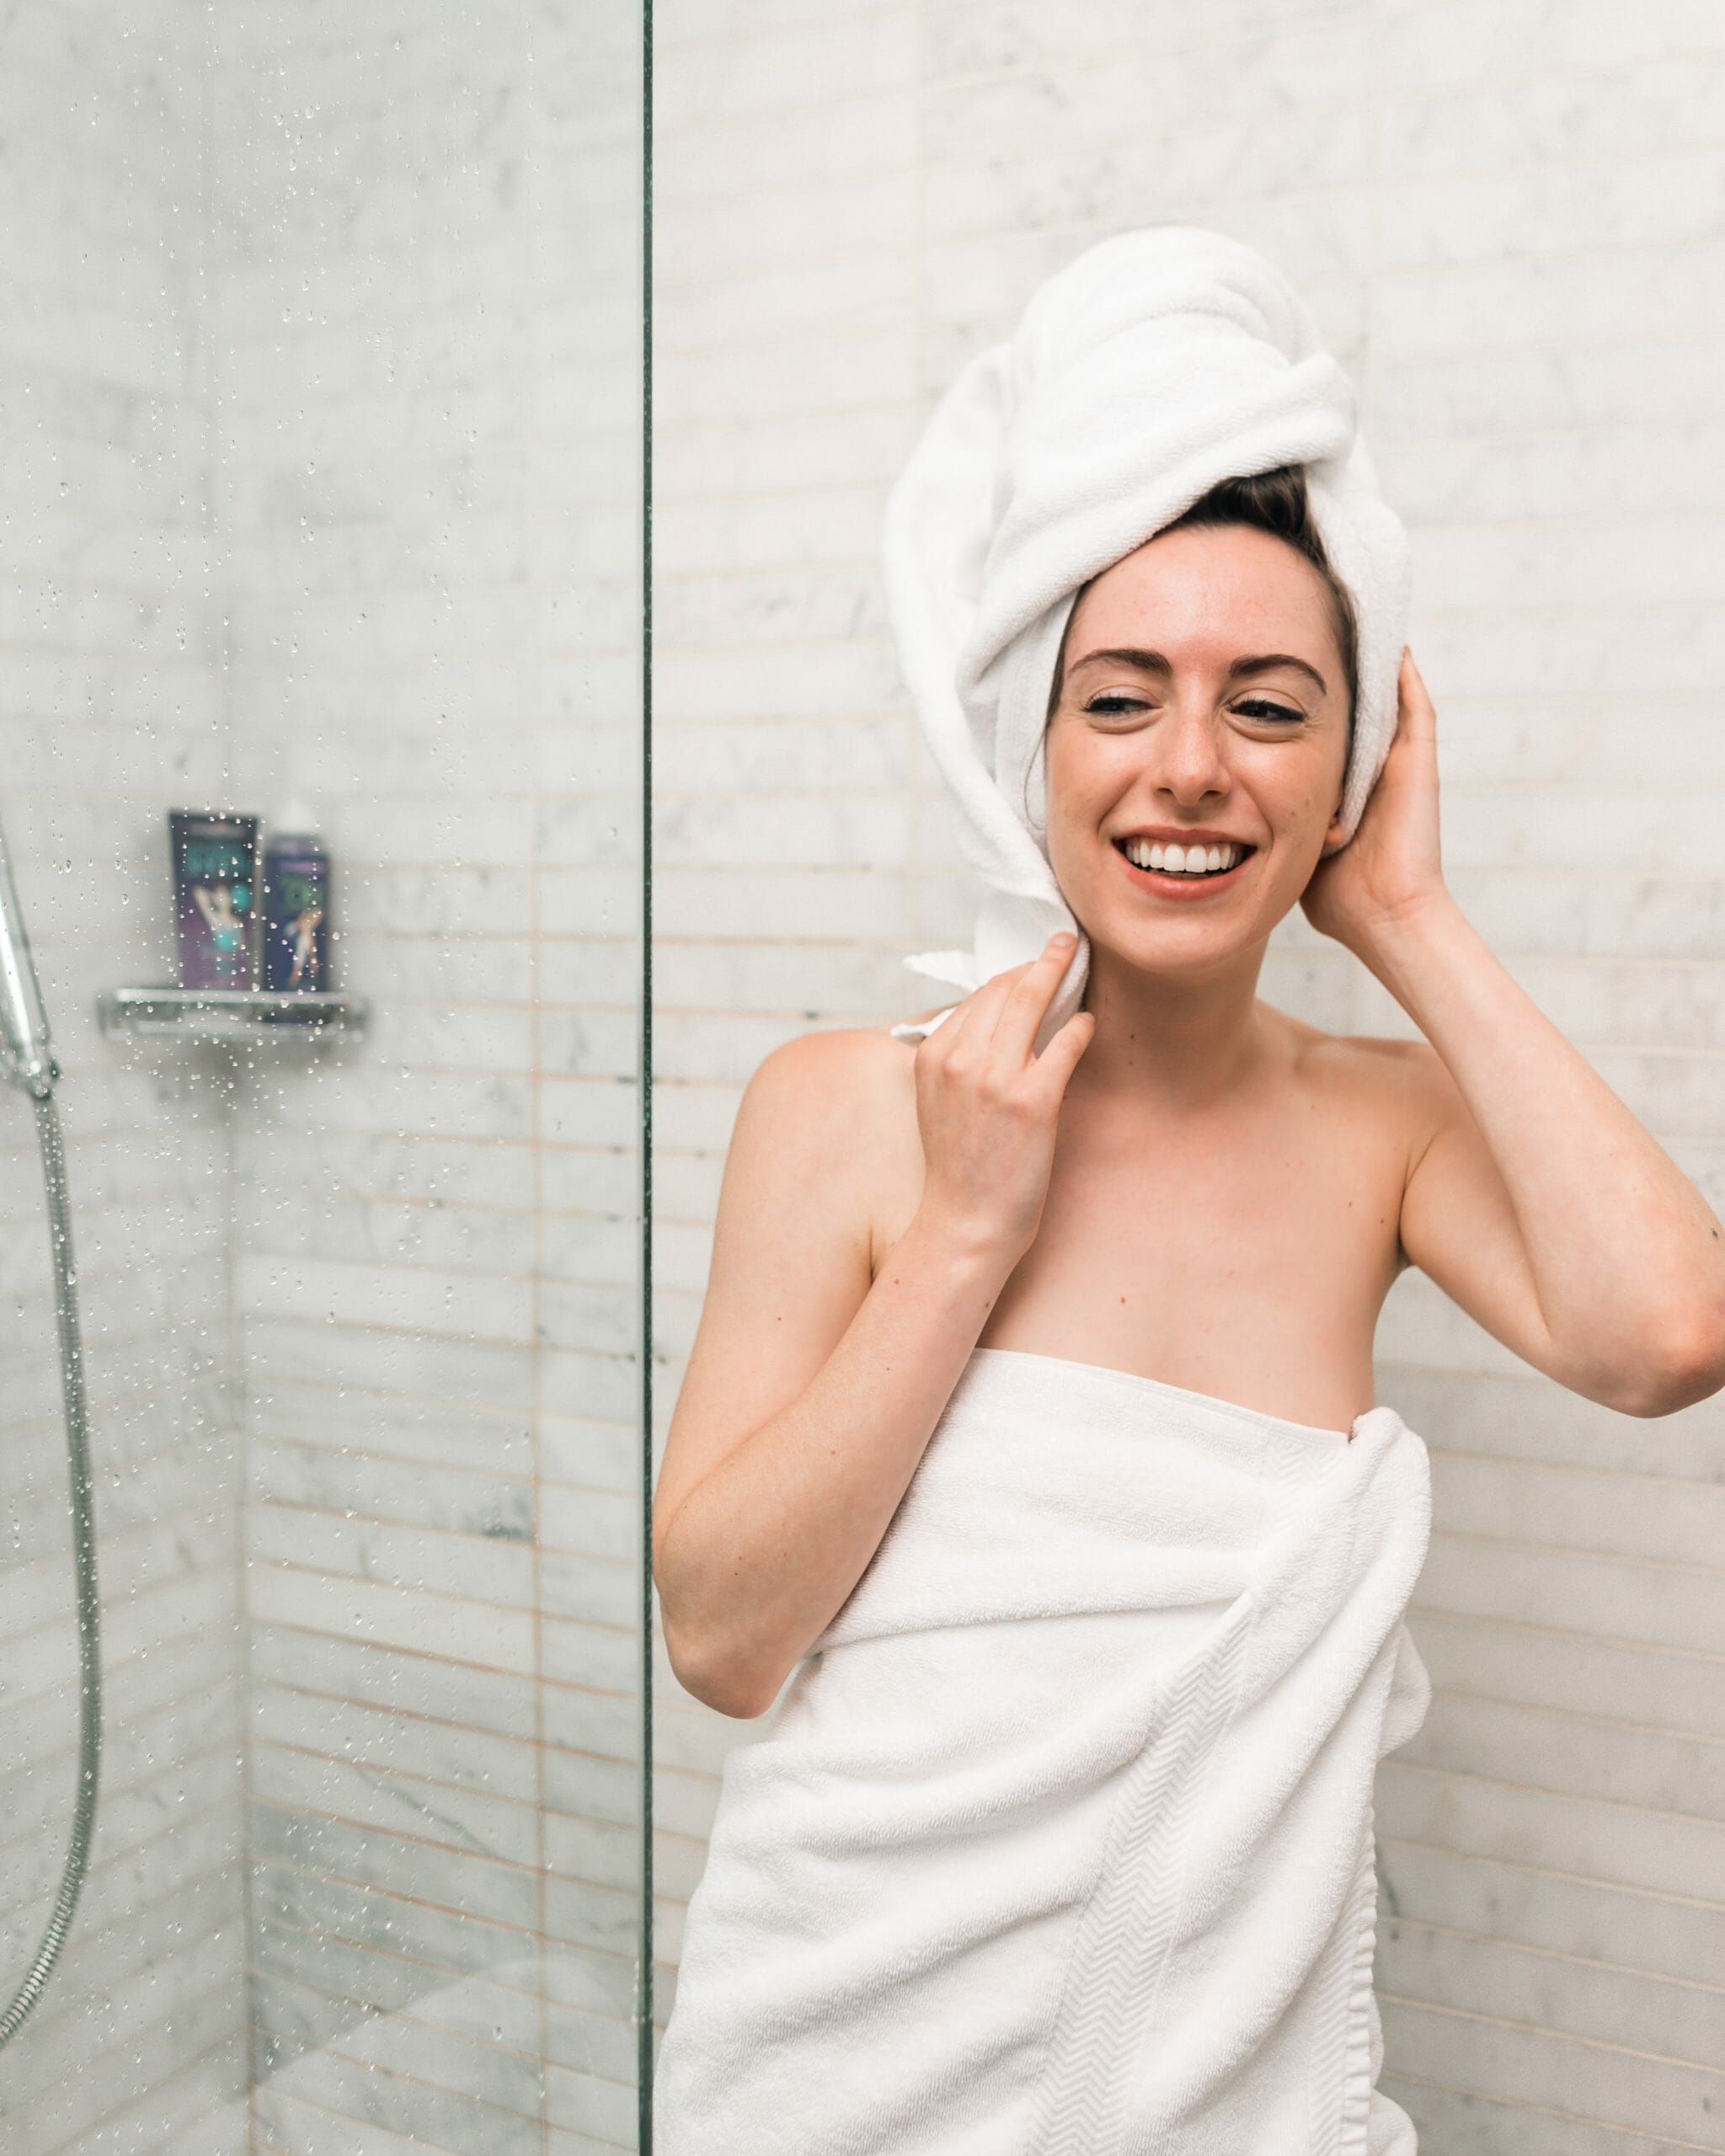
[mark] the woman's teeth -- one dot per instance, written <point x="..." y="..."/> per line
<point x="1181" y="860"/>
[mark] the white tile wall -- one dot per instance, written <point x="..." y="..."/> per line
<point x="1507" y="218"/>
<point x="111" y="711"/>
<point x="319" y="428"/>
<point x="425" y="294"/>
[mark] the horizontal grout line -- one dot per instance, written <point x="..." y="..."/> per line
<point x="366" y="1764"/>
<point x="406" y="2013"/>
<point x="369" y="1830"/>
<point x="1646" y="1812"/>
<point x="674" y="435"/>
<point x="266" y="1436"/>
<point x="1544" y="2111"/>
<point x="113" y="1602"/>
<point x="1681" y="250"/>
<point x="698" y="1841"/>
<point x="413" y="2081"/>
<point x="499" y="1925"/>
<point x="1578" y="1471"/>
<point x="113" y="1671"/>
<point x="262" y="1970"/>
<point x="489" y="1422"/>
<point x="1557" y="1632"/>
<point x="526" y="1542"/>
<point x="422" y="1269"/>
<point x="224" y="1756"/>
<point x="460" y="1601"/>
<point x="1552" y="1713"/>
<point x="370" y="1517"/>
<point x="128" y="1919"/>
<point x="456" y="1976"/>
<point x="1540" y="2029"/>
<point x="179" y="2070"/>
<point x="402" y="2077"/>
<point x="674" y="48"/>
<point x="1557" y="1953"/>
<point x="421" y="1654"/>
<point x="1683" y="1566"/>
<point x="528" y="1743"/>
<point x="183" y="1826"/>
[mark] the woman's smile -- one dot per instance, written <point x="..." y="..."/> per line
<point x="1187" y="867"/>
<point x="1197" y="724"/>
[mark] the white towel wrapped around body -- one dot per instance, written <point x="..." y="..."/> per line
<point x="1157" y="364"/>
<point x="1059" y="1842"/>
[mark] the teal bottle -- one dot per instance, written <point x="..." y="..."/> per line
<point x="296" y="909"/>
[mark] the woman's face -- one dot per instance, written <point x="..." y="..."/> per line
<point x="1204" y="705"/>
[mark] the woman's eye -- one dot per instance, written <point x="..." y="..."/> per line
<point x="1115" y="704"/>
<point x="1262" y="707"/>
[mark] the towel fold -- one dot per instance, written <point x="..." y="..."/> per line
<point x="1155" y="365"/>
<point x="1059" y="1842"/>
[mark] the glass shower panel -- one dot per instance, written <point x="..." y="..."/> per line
<point x="111" y="711"/>
<point x="324" y="446"/>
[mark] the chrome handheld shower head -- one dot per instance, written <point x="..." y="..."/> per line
<point x="26" y="1057"/>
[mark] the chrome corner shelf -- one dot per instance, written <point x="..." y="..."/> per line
<point x="234" y="1014"/>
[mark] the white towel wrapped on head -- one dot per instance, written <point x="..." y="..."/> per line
<point x="1155" y="365"/>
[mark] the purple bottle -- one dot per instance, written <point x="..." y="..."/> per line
<point x="216" y="886"/>
<point x="296" y="908"/>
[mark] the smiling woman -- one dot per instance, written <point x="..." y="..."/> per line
<point x="1250" y="743"/>
<point x="1029" y="1428"/>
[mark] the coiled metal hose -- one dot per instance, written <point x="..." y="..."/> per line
<point x="83" y="1548"/>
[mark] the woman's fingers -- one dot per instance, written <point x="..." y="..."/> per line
<point x="1026" y="1002"/>
<point x="1417" y="714"/>
<point x="975" y="1018"/>
<point x="988" y="1109"/>
<point x="1068" y="1042"/>
<point x="1003" y="1016"/>
<point x="971" y="1020"/>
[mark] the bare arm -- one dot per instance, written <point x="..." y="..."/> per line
<point x="810" y="1393"/>
<point x="1540" y="1204"/>
<point x="1537" y="1200"/>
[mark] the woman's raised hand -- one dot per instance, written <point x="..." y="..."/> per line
<point x="988" y="1105"/>
<point x="1391" y="867"/>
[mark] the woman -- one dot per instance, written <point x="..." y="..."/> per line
<point x="973" y="1308"/>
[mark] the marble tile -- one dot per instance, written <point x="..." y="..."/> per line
<point x="201" y="561"/>
<point x="1438" y="1967"/>
<point x="323" y="2040"/>
<point x="1616" y="1845"/>
<point x="334" y="1668"/>
<point x="404" y="1493"/>
<point x="483" y="1635"/>
<point x="371" y="1888"/>
<point x="408" y="1807"/>
<point x="397" y="1741"/>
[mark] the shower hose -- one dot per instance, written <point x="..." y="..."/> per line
<point x="83" y="1547"/>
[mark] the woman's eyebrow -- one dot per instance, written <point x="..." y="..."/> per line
<point x="1152" y="662"/>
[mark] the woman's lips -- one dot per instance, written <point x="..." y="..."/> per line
<point x="1185" y="888"/>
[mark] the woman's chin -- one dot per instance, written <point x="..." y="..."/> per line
<point x="1184" y="937"/>
<point x="1181" y="950"/>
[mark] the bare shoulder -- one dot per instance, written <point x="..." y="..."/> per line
<point x="844" y="1103"/>
<point x="839" y="1064"/>
<point x="1399" y="1083"/>
<point x="839" y="1094"/>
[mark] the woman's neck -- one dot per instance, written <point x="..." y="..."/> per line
<point x="1186" y="1041"/>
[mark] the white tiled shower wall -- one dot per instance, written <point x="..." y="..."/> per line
<point x="319" y="427"/>
<point x="427" y="324"/>
<point x="1508" y="219"/>
<point x="110" y="706"/>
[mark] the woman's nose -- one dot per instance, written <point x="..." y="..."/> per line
<point x="1188" y="761"/>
